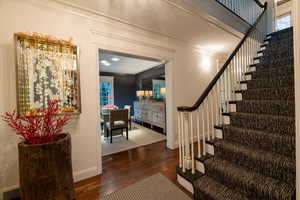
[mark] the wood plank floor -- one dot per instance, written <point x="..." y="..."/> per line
<point x="125" y="168"/>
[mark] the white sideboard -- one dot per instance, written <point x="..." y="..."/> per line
<point x="152" y="113"/>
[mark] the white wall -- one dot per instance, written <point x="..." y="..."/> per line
<point x="188" y="73"/>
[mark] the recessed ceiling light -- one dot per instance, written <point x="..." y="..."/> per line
<point x="115" y="59"/>
<point x="104" y="62"/>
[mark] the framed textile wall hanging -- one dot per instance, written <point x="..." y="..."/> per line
<point x="46" y="69"/>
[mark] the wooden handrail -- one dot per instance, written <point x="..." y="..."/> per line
<point x="224" y="67"/>
<point x="260" y="4"/>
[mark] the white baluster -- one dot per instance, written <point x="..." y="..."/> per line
<point x="187" y="141"/>
<point x="198" y="133"/>
<point x="203" y="130"/>
<point x="212" y="114"/>
<point x="179" y="140"/>
<point x="183" y="142"/>
<point x="192" y="143"/>
<point x="207" y="118"/>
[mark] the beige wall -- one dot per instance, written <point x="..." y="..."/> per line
<point x="284" y="9"/>
<point x="188" y="72"/>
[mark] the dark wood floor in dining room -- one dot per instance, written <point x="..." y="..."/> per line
<point x="125" y="168"/>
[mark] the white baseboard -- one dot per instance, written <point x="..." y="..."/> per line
<point x="78" y="176"/>
<point x="85" y="174"/>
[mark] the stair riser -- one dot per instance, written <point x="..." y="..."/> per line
<point x="277" y="167"/>
<point x="261" y="140"/>
<point x="200" y="166"/>
<point x="232" y="107"/>
<point x="186" y="184"/>
<point x="210" y="149"/>
<point x="283" y="125"/>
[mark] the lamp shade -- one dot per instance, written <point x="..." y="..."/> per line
<point x="163" y="91"/>
<point x="140" y="93"/>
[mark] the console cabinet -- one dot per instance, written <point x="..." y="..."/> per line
<point x="152" y="113"/>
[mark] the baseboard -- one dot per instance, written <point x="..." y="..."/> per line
<point x="9" y="193"/>
<point x="85" y="174"/>
<point x="12" y="192"/>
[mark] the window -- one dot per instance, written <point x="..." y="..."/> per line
<point x="106" y="90"/>
<point x="283" y="22"/>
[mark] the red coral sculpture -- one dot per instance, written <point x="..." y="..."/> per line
<point x="38" y="127"/>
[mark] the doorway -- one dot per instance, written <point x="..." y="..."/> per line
<point x="138" y="84"/>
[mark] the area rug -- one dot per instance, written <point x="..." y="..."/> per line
<point x="156" y="187"/>
<point x="138" y="136"/>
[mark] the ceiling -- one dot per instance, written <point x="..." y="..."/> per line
<point x="124" y="64"/>
<point x="168" y="18"/>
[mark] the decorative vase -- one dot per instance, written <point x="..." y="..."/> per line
<point x="46" y="170"/>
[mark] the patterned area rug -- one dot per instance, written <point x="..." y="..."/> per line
<point x="156" y="187"/>
<point x="138" y="136"/>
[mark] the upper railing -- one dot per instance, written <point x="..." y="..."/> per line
<point x="247" y="10"/>
<point x="198" y="121"/>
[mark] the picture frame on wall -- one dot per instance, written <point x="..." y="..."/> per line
<point x="46" y="69"/>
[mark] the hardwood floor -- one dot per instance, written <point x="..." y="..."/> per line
<point x="125" y="168"/>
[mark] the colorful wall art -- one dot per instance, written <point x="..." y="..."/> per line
<point x="47" y="69"/>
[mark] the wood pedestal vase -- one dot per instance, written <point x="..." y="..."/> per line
<point x="46" y="170"/>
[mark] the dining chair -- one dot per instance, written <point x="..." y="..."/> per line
<point x="128" y="107"/>
<point x="118" y="120"/>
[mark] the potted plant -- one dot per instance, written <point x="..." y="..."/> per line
<point x="44" y="153"/>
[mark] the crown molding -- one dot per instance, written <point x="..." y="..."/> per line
<point x="149" y="33"/>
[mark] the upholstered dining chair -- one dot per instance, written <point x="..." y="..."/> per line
<point x="129" y="114"/>
<point x="118" y="120"/>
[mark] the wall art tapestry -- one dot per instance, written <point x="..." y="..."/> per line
<point x="47" y="69"/>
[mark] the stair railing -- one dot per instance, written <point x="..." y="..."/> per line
<point x="247" y="10"/>
<point x="196" y="123"/>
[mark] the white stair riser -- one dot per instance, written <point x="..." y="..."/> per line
<point x="252" y="69"/>
<point x="256" y="61"/>
<point x="260" y="54"/>
<point x="210" y="149"/>
<point x="219" y="133"/>
<point x="200" y="166"/>
<point x="186" y="184"/>
<point x="239" y="96"/>
<point x="232" y="107"/>
<point x="226" y="120"/>
<point x="248" y="77"/>
<point x="244" y="86"/>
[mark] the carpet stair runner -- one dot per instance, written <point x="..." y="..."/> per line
<point x="256" y="157"/>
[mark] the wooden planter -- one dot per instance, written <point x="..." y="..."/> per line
<point x="46" y="170"/>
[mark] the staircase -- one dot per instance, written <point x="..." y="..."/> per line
<point x="245" y="125"/>
<point x="256" y="157"/>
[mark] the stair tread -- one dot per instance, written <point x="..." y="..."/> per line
<point x="261" y="115"/>
<point x="265" y="162"/>
<point x="251" y="184"/>
<point x="264" y="122"/>
<point x="271" y="107"/>
<point x="211" y="189"/>
<point x="260" y="139"/>
<point x="278" y="93"/>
